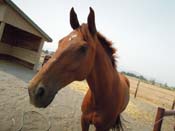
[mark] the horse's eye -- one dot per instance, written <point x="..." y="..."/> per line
<point x="83" y="48"/>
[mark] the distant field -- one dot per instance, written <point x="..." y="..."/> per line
<point x="155" y="94"/>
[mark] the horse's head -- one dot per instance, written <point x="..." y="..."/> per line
<point x="73" y="60"/>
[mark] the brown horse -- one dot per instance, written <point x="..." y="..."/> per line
<point x="84" y="54"/>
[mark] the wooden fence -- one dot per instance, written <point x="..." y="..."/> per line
<point x="161" y="113"/>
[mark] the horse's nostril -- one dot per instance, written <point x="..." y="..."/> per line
<point x="40" y="92"/>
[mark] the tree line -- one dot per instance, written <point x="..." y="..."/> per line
<point x="151" y="81"/>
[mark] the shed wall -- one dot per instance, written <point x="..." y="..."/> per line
<point x="5" y="48"/>
<point x="13" y="18"/>
<point x="2" y="11"/>
<point x="24" y="54"/>
<point x="20" y="53"/>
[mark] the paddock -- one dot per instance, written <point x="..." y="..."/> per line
<point x="64" y="112"/>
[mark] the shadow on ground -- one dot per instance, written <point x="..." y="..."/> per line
<point x="16" y="70"/>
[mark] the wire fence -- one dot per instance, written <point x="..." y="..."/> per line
<point x="153" y="93"/>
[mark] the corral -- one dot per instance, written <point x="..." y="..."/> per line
<point x="64" y="112"/>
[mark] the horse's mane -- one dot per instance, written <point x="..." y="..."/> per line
<point x="107" y="45"/>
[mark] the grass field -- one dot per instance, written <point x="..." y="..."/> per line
<point x="155" y="94"/>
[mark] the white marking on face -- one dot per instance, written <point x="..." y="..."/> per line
<point x="72" y="36"/>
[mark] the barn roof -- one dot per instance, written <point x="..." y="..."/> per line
<point x="18" y="10"/>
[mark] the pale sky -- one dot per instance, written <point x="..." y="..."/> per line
<point x="143" y="31"/>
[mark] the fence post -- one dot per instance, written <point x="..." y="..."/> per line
<point x="137" y="89"/>
<point x="158" y="120"/>
<point x="173" y="105"/>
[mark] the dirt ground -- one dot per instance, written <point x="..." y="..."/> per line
<point x="64" y="112"/>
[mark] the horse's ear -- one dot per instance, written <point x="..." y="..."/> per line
<point x="73" y="19"/>
<point x="91" y="22"/>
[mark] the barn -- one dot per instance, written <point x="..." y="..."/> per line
<point x="21" y="40"/>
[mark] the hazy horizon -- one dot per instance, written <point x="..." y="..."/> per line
<point x="143" y="31"/>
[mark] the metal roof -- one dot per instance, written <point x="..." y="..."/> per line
<point x="17" y="9"/>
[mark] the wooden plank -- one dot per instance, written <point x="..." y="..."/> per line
<point x="14" y="59"/>
<point x="2" y="25"/>
<point x="2" y="11"/>
<point x="5" y="48"/>
<point x="20" y="53"/>
<point x="39" y="54"/>
<point x="24" y="54"/>
<point x="169" y="113"/>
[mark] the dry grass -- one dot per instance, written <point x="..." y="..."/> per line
<point x="154" y="94"/>
<point x="79" y="86"/>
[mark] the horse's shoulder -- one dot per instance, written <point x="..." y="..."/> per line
<point x="123" y="78"/>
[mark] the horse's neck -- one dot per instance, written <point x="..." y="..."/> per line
<point x="102" y="78"/>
